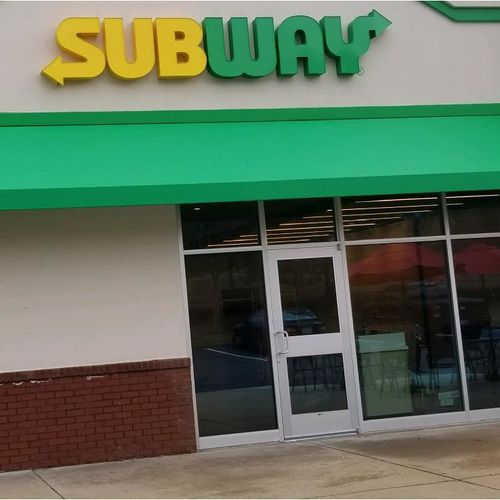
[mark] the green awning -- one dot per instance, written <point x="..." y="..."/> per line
<point x="81" y="165"/>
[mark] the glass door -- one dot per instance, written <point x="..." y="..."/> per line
<point x="309" y="329"/>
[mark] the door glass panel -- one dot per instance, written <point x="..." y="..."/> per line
<point x="405" y="338"/>
<point x="308" y="298"/>
<point x="299" y="221"/>
<point x="230" y="342"/>
<point x="317" y="383"/>
<point x="477" y="273"/>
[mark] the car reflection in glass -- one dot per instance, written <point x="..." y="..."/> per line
<point x="302" y="321"/>
<point x="249" y="334"/>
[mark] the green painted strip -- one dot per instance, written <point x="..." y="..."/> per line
<point x="479" y="14"/>
<point x="244" y="115"/>
<point x="112" y="165"/>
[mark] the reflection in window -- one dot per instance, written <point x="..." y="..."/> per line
<point x="317" y="383"/>
<point x="308" y="297"/>
<point x="299" y="221"/>
<point x="220" y="225"/>
<point x="391" y="216"/>
<point x="230" y="340"/>
<point x="477" y="274"/>
<point x="474" y="212"/>
<point x="404" y="330"/>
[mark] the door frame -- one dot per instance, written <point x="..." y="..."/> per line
<point x="271" y="257"/>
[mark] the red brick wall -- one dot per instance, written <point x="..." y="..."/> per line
<point x="95" y="413"/>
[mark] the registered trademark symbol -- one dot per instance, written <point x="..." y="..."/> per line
<point x="361" y="71"/>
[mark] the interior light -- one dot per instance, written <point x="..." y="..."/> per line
<point x="219" y="245"/>
<point x="240" y="239"/>
<point x="285" y="240"/>
<point x="305" y="223"/>
<point x="384" y="200"/>
<point x="317" y="217"/>
<point x="472" y="196"/>
<point x="392" y="207"/>
<point x="299" y="228"/>
<point x="401" y="214"/>
<point x="374" y="218"/>
<point x="298" y="235"/>
<point x="363" y="224"/>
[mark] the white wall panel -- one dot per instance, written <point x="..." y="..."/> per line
<point x="423" y="58"/>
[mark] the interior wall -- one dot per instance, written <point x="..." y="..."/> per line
<point x="89" y="286"/>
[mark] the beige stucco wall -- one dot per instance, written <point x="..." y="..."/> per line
<point x="92" y="286"/>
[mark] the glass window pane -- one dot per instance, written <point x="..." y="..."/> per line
<point x="230" y="340"/>
<point x="392" y="216"/>
<point x="317" y="383"/>
<point x="405" y="339"/>
<point x="474" y="212"/>
<point x="477" y="274"/>
<point x="308" y="297"/>
<point x="220" y="225"/>
<point x="299" y="221"/>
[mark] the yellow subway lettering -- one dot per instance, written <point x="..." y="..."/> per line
<point x="143" y="46"/>
<point x="178" y="48"/>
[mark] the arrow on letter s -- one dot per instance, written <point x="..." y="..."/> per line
<point x="69" y="37"/>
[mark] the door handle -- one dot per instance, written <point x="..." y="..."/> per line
<point x="285" y="338"/>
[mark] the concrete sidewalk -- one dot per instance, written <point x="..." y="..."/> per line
<point x="452" y="462"/>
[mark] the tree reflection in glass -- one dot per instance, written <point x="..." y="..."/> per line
<point x="230" y="342"/>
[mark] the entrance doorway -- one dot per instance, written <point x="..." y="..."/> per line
<point x="309" y="330"/>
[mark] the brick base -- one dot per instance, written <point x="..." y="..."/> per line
<point x="89" y="414"/>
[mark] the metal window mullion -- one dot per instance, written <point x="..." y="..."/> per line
<point x="187" y="322"/>
<point x="262" y="224"/>
<point x="468" y="236"/>
<point x="455" y="307"/>
<point x="205" y="251"/>
<point x="278" y="399"/>
<point x="408" y="239"/>
<point x="289" y="246"/>
<point x="350" y="318"/>
<point x="339" y="223"/>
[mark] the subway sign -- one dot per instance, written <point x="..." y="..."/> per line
<point x="184" y="48"/>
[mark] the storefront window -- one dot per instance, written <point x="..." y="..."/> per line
<point x="299" y="221"/>
<point x="477" y="274"/>
<point x="401" y="305"/>
<point x="474" y="212"/>
<point x="220" y="225"/>
<point x="391" y="216"/>
<point x="404" y="331"/>
<point x="230" y="341"/>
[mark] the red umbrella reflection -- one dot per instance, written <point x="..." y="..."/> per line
<point x="397" y="262"/>
<point x="482" y="260"/>
<point x="479" y="258"/>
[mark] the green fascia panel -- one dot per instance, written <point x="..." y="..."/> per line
<point x="467" y="14"/>
<point x="117" y="165"/>
<point x="243" y="115"/>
